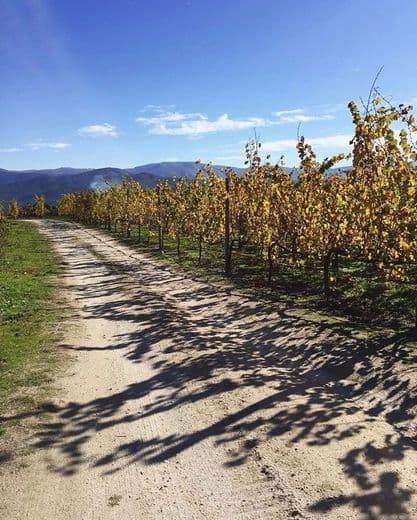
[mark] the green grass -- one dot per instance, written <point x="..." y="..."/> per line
<point x="27" y="315"/>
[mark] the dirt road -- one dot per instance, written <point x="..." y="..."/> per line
<point x="183" y="401"/>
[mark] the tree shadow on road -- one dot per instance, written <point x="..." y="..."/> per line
<point x="319" y="386"/>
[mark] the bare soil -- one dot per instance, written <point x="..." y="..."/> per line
<point x="185" y="400"/>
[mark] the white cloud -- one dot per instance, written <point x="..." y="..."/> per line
<point x="332" y="141"/>
<point x="37" y="145"/>
<point x="98" y="130"/>
<point x="304" y="118"/>
<point x="298" y="115"/>
<point x="58" y="146"/>
<point x="157" y="108"/>
<point x="166" y="117"/>
<point x="203" y="126"/>
<point x="165" y="122"/>
<point x="11" y="150"/>
<point x="288" y="112"/>
<point x="280" y="145"/>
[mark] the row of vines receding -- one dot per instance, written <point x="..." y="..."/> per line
<point x="314" y="215"/>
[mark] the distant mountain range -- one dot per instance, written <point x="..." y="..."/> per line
<point x="22" y="185"/>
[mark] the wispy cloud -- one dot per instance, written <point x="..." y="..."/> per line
<point x="337" y="141"/>
<point x="164" y="118"/>
<point x="38" y="145"/>
<point x="289" y="112"/>
<point x="304" y="118"/>
<point x="98" y="130"/>
<point x="299" y="115"/>
<point x="167" y="121"/>
<point x="11" y="150"/>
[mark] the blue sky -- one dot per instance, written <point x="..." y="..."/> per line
<point x="93" y="83"/>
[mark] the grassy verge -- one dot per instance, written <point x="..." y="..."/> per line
<point x="27" y="317"/>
